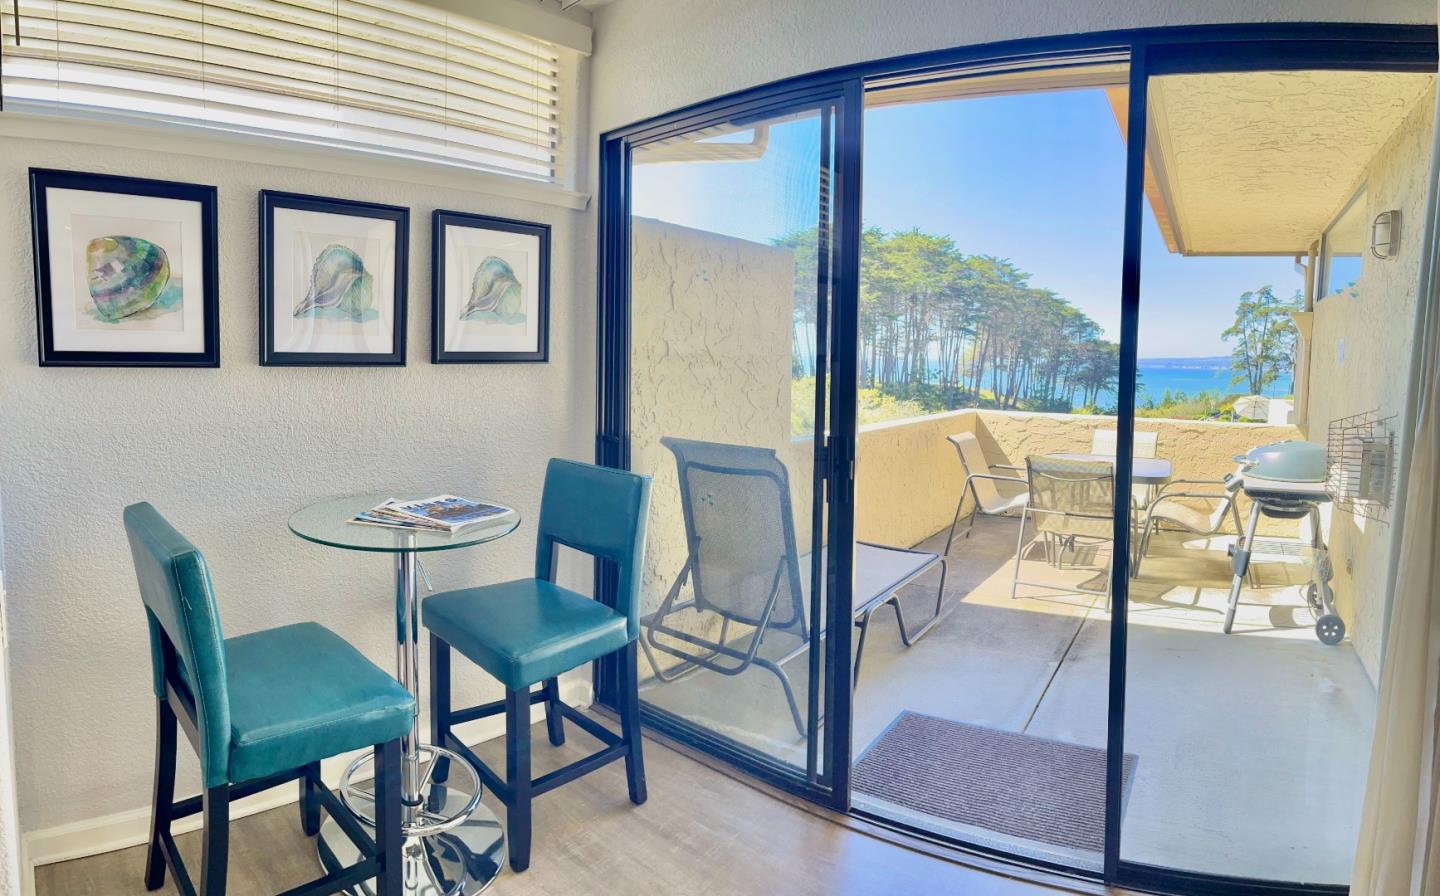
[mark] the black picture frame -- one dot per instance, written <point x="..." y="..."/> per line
<point x="270" y="202"/>
<point x="42" y="181"/>
<point x="442" y="219"/>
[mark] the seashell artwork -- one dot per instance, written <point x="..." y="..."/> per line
<point x="339" y="286"/>
<point x="126" y="275"/>
<point x="495" y="293"/>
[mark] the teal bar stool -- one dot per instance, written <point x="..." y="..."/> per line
<point x="261" y="710"/>
<point x="528" y="631"/>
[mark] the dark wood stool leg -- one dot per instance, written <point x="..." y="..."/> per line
<point x="215" y="853"/>
<point x="630" y="723"/>
<point x="517" y="773"/>
<point x="309" y="801"/>
<point x="389" y="839"/>
<point x="164" y="801"/>
<point x="554" y="721"/>
<point x="440" y="704"/>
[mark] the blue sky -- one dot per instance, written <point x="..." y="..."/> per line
<point x="1036" y="178"/>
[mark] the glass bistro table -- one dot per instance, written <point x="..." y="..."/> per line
<point x="453" y="845"/>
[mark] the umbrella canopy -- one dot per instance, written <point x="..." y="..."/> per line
<point x="1253" y="407"/>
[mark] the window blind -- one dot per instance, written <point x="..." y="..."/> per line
<point x="385" y="76"/>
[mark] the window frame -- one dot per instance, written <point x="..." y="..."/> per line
<point x="1323" y="290"/>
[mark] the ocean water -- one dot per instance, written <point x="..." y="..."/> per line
<point x="1191" y="376"/>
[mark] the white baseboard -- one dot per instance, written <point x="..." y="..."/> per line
<point x="121" y="830"/>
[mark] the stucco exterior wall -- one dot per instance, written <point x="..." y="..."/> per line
<point x="710" y="360"/>
<point x="1196" y="449"/>
<point x="909" y="478"/>
<point x="1360" y="351"/>
<point x="228" y="454"/>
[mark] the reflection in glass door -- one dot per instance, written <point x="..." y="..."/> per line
<point x="730" y="238"/>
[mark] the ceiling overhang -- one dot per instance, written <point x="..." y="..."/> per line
<point x="1260" y="163"/>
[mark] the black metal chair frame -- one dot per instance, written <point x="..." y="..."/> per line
<point x="380" y="855"/>
<point x="787" y="571"/>
<point x="517" y="789"/>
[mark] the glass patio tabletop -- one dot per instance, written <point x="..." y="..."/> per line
<point x="329" y="523"/>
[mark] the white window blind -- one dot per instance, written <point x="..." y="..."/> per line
<point x="386" y="76"/>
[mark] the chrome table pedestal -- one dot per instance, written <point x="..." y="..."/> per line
<point x="453" y="846"/>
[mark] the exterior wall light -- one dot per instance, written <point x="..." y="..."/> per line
<point x="1385" y="235"/>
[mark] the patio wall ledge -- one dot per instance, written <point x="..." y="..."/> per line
<point x="908" y="477"/>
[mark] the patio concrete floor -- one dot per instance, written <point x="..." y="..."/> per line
<point x="1252" y="747"/>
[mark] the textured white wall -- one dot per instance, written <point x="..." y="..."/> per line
<point x="9" y="822"/>
<point x="1375" y="326"/>
<point x="229" y="454"/>
<point x="652" y="56"/>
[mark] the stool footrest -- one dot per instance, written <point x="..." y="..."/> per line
<point x="485" y="710"/>
<point x="576" y="769"/>
<point x="192" y="805"/>
<point x="590" y="726"/>
<point x="615" y="748"/>
<point x="343" y="880"/>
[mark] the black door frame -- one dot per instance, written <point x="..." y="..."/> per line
<point x="1158" y="51"/>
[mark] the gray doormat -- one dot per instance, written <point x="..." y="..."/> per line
<point x="1032" y="787"/>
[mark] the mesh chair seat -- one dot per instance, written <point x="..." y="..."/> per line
<point x="1069" y="499"/>
<point x="744" y="568"/>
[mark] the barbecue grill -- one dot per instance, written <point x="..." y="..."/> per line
<point x="1286" y="480"/>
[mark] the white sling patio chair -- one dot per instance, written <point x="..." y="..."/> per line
<point x="1070" y="501"/>
<point x="744" y="569"/>
<point x="1170" y="512"/>
<point x="1104" y="441"/>
<point x="980" y="485"/>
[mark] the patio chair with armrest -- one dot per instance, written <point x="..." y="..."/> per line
<point x="980" y="484"/>
<point x="745" y="570"/>
<point x="1070" y="501"/>
<point x="1170" y="511"/>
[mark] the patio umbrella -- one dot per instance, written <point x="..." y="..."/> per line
<point x="1253" y="407"/>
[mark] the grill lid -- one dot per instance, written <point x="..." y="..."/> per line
<point x="1289" y="461"/>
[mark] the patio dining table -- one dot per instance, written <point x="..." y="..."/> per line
<point x="1143" y="470"/>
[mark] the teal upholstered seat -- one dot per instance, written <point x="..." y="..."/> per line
<point x="301" y="692"/>
<point x="260" y="709"/>
<point x="525" y="631"/>
<point x="528" y="631"/>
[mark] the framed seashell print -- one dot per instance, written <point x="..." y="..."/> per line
<point x="125" y="271"/>
<point x="490" y="298"/>
<point x="333" y="275"/>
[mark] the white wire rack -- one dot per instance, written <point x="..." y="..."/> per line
<point x="1360" y="464"/>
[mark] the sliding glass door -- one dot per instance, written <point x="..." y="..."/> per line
<point x="990" y="339"/>
<point x="1257" y="608"/>
<point x="954" y="521"/>
<point x="731" y="240"/>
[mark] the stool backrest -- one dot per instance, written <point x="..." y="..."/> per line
<point x="602" y="512"/>
<point x="184" y="627"/>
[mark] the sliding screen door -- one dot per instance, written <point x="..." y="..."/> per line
<point x="730" y="267"/>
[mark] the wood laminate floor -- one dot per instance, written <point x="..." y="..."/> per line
<point x="701" y="832"/>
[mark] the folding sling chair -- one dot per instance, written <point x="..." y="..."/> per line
<point x="745" y="570"/>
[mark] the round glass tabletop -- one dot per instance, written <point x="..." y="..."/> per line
<point x="329" y="523"/>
